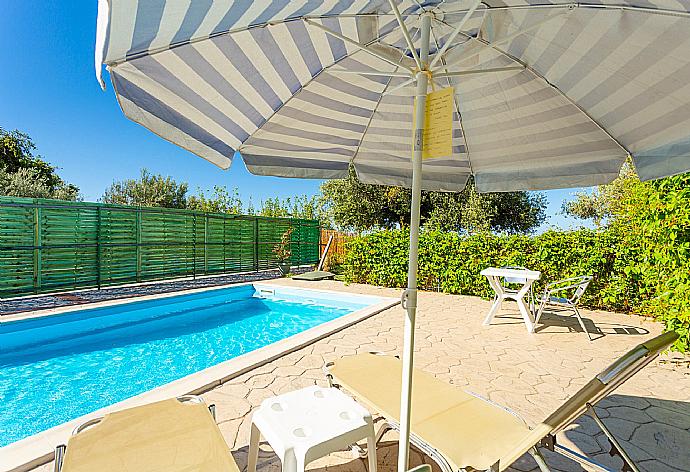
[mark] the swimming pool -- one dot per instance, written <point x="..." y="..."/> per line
<point x="59" y="367"/>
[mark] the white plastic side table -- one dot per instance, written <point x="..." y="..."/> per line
<point x="307" y="424"/>
<point x="494" y="274"/>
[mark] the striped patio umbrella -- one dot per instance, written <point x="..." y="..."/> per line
<point x="542" y="94"/>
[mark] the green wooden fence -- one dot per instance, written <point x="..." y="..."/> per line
<point x="52" y="245"/>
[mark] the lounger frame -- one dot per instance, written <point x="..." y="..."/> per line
<point x="616" y="448"/>
<point x="597" y="389"/>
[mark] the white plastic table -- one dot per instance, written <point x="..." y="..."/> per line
<point x="526" y="277"/>
<point x="307" y="424"/>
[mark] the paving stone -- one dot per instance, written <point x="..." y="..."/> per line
<point x="229" y="431"/>
<point x="524" y="464"/>
<point x="437" y="368"/>
<point x="259" y="381"/>
<point x="227" y="407"/>
<point x="49" y="467"/>
<point x="670" y="417"/>
<point x="234" y="390"/>
<point x="282" y="385"/>
<point x="630" y="414"/>
<point x="256" y="396"/>
<point x="288" y="371"/>
<point x="666" y="443"/>
<point x="607" y="460"/>
<point x="620" y="428"/>
<point x="674" y="402"/>
<point x="323" y="348"/>
<point x="578" y="441"/>
<point x="657" y="466"/>
<point x="628" y="400"/>
<point x="586" y="424"/>
<point x="560" y="463"/>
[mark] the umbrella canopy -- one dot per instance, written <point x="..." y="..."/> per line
<point x="576" y="87"/>
<point x="543" y="95"/>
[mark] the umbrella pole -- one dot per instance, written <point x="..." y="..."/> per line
<point x="410" y="295"/>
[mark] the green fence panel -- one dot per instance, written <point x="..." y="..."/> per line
<point x="52" y="245"/>
<point x="17" y="256"/>
<point x="118" y="248"/>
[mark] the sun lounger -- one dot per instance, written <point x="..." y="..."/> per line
<point x="318" y="274"/>
<point x="315" y="275"/>
<point x="173" y="435"/>
<point x="462" y="431"/>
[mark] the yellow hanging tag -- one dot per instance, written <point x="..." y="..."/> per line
<point x="438" y="129"/>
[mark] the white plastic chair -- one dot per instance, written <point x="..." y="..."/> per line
<point x="550" y="297"/>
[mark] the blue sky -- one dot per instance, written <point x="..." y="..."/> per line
<point x="48" y="90"/>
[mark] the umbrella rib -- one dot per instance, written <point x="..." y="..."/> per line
<point x="652" y="11"/>
<point x="399" y="86"/>
<point x="371" y="72"/>
<point x="569" y="7"/>
<point x="548" y="6"/>
<point x="495" y="44"/>
<point x="406" y="34"/>
<point x="373" y="111"/>
<point x="357" y="44"/>
<point x="454" y="74"/>
<point x="154" y="51"/>
<point x="454" y="34"/>
<point x="516" y="7"/>
<point x="371" y="118"/>
<point x="458" y="46"/>
<point x="559" y="91"/>
<point x="458" y="73"/>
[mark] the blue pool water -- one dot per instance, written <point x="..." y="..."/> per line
<point x="57" y="368"/>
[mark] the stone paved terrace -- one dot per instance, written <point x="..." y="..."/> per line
<point x="532" y="374"/>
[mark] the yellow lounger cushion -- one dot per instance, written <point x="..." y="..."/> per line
<point x="167" y="436"/>
<point x="467" y="430"/>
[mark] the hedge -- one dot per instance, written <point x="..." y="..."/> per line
<point x="451" y="263"/>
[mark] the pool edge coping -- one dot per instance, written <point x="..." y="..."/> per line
<point x="28" y="315"/>
<point x="38" y="449"/>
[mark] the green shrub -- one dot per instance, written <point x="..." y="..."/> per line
<point x="451" y="263"/>
<point x="653" y="224"/>
<point x="649" y="279"/>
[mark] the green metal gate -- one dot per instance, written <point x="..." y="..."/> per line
<point x="53" y="245"/>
